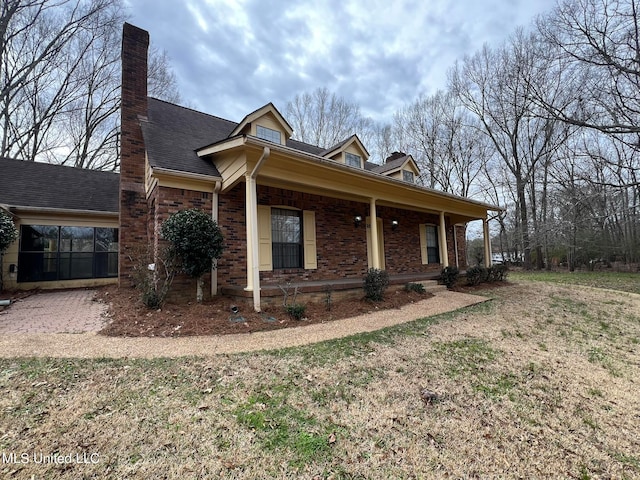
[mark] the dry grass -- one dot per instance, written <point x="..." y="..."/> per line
<point x="539" y="383"/>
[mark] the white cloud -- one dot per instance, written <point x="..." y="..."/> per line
<point x="233" y="56"/>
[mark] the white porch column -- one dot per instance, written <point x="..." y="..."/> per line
<point x="214" y="216"/>
<point x="253" y="252"/>
<point x="251" y="227"/>
<point x="375" y="247"/>
<point x="444" y="254"/>
<point x="487" y="242"/>
<point x="455" y="246"/>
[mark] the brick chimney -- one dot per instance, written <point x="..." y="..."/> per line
<point x="394" y="156"/>
<point x="133" y="204"/>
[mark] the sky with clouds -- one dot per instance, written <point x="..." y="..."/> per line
<point x="233" y="56"/>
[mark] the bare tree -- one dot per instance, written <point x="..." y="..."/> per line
<point x="324" y="119"/>
<point x="445" y="140"/>
<point x="599" y="46"/>
<point x="35" y="68"/>
<point x="59" y="80"/>
<point x="496" y="86"/>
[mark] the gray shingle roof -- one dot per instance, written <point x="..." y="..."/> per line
<point x="304" y="147"/>
<point x="390" y="165"/>
<point x="42" y="185"/>
<point x="173" y="133"/>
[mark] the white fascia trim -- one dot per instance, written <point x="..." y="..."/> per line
<point x="187" y="175"/>
<point x="248" y="139"/>
<point x="361" y="171"/>
<point x="222" y="146"/>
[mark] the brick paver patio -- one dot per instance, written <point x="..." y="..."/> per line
<point x="69" y="311"/>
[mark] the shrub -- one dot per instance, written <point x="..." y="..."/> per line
<point x="375" y="284"/>
<point x="152" y="298"/>
<point x="476" y="275"/>
<point x="449" y="276"/>
<point x="415" y="287"/>
<point x="154" y="283"/>
<point x="8" y="231"/>
<point x="498" y="273"/>
<point x="296" y="310"/>
<point x="195" y="241"/>
<point x="8" y="235"/>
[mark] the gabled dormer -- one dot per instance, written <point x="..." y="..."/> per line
<point x="266" y="123"/>
<point x="350" y="152"/>
<point x="401" y="166"/>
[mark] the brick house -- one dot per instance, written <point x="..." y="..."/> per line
<point x="291" y="213"/>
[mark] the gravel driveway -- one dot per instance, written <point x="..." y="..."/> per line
<point x="20" y="343"/>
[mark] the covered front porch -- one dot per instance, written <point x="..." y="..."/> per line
<point x="350" y="220"/>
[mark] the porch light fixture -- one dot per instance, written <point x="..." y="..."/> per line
<point x="394" y="225"/>
<point x="357" y="220"/>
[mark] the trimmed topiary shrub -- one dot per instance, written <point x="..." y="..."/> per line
<point x="449" y="276"/>
<point x="195" y="242"/>
<point x="375" y="284"/>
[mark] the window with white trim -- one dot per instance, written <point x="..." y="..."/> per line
<point x="286" y="238"/>
<point x="408" y="176"/>
<point x="352" y="160"/>
<point x="268" y="134"/>
<point x="433" y="250"/>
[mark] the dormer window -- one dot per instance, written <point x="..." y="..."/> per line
<point x="352" y="160"/>
<point x="408" y="176"/>
<point x="268" y="134"/>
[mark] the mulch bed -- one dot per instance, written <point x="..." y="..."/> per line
<point x="131" y="318"/>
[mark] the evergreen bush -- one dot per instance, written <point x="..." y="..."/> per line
<point x="375" y="283"/>
<point x="449" y="276"/>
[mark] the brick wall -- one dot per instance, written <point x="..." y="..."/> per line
<point x="341" y="247"/>
<point x="232" y="267"/>
<point x="164" y="202"/>
<point x="461" y="233"/>
<point x="133" y="202"/>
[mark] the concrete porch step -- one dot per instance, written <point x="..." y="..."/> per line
<point x="432" y="286"/>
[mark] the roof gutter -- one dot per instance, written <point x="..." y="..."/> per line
<point x="252" y="228"/>
<point x="188" y="175"/>
<point x="239" y="141"/>
<point x="66" y="211"/>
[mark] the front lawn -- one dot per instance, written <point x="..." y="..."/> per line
<point x="541" y="382"/>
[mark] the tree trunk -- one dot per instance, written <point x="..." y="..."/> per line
<point x="199" y="294"/>
<point x="524" y="219"/>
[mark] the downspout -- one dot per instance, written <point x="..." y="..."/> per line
<point x="252" y="229"/>
<point x="214" y="216"/>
